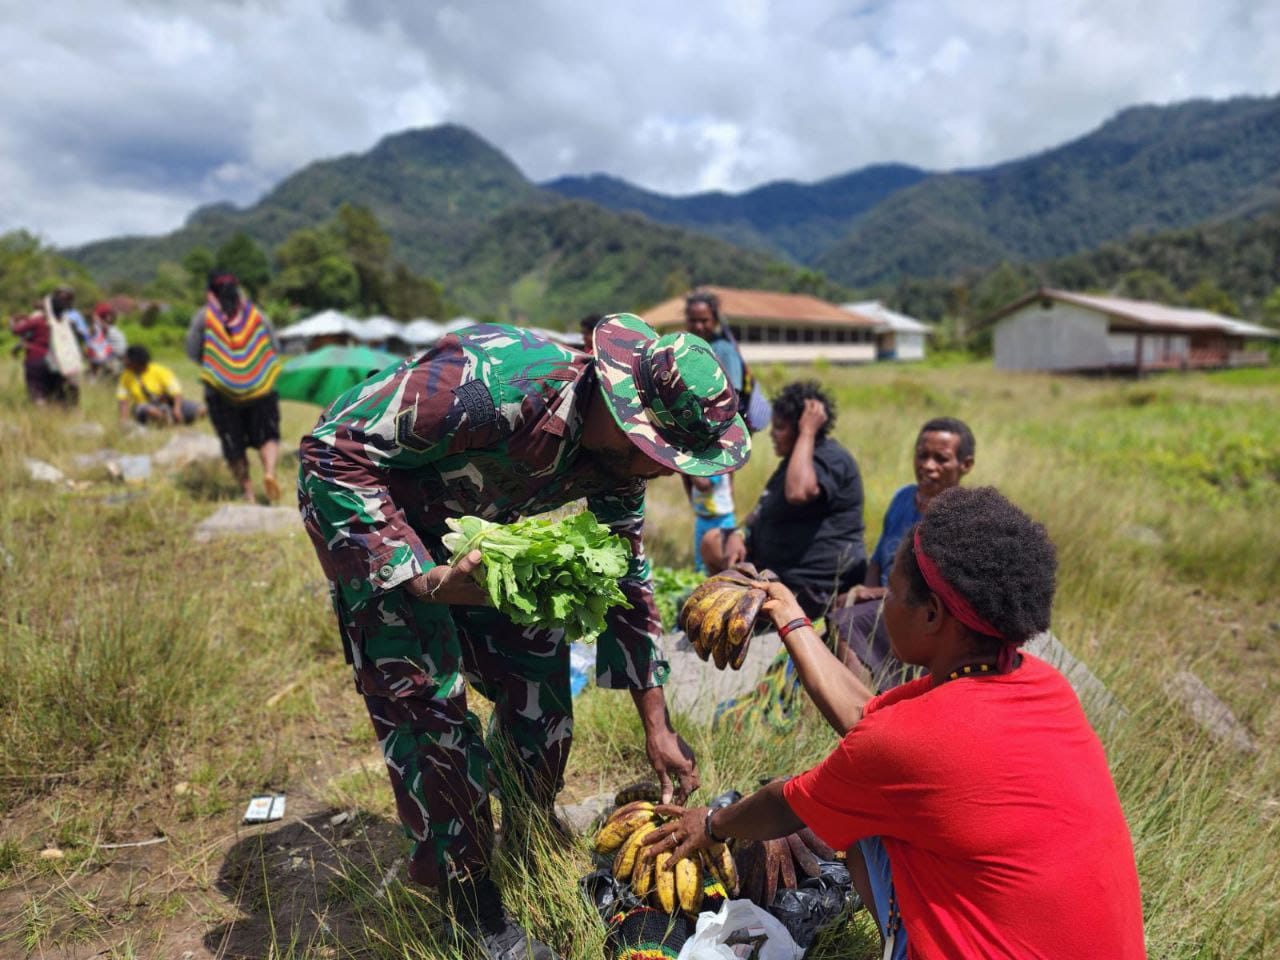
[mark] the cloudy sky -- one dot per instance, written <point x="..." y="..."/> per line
<point x="122" y="115"/>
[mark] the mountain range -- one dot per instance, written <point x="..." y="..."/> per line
<point x="459" y="210"/>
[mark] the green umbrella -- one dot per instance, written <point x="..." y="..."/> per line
<point x="325" y="374"/>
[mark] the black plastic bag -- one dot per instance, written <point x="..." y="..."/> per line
<point x="610" y="897"/>
<point x="816" y="903"/>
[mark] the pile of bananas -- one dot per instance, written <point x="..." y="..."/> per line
<point x="768" y="865"/>
<point x="672" y="887"/>
<point x="719" y="617"/>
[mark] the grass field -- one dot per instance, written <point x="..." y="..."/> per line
<point x="152" y="684"/>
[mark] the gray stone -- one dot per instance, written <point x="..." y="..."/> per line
<point x="583" y="815"/>
<point x="696" y="687"/>
<point x="1099" y="703"/>
<point x="187" y="446"/>
<point x="45" y="472"/>
<point x="99" y="458"/>
<point x="135" y="468"/>
<point x="234" y="519"/>
<point x="1211" y="714"/>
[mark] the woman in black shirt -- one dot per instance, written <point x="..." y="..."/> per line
<point x="807" y="526"/>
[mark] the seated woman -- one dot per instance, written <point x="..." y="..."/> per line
<point x="944" y="454"/>
<point x="807" y="526"/>
<point x="989" y="848"/>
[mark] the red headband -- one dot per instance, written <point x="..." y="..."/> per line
<point x="957" y="605"/>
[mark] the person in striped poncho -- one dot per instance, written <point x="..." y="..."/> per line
<point x="236" y="348"/>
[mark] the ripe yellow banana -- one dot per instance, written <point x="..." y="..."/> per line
<point x="665" y="882"/>
<point x="742" y="624"/>
<point x="642" y="878"/>
<point x="722" y="866"/>
<point x="627" y="809"/>
<point x="616" y="832"/>
<point x="689" y="885"/>
<point x="710" y="634"/>
<point x="702" y="590"/>
<point x="625" y="861"/>
<point x="701" y="606"/>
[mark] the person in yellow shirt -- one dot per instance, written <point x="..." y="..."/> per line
<point x="150" y="393"/>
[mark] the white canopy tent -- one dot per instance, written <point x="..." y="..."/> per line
<point x="458" y="323"/>
<point x="326" y="323"/>
<point x="420" y="333"/>
<point x="378" y="329"/>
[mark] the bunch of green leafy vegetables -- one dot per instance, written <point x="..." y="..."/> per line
<point x="553" y="574"/>
<point x="671" y="587"/>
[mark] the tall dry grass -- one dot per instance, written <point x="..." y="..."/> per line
<point x="136" y="660"/>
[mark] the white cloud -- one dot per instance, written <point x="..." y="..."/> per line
<point x="124" y="115"/>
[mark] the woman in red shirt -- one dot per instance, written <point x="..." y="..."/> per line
<point x="983" y="779"/>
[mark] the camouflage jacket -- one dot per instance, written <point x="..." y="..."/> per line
<point x="486" y="423"/>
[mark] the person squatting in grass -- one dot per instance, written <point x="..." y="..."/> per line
<point x="151" y="394"/>
<point x="807" y="526"/>
<point x="236" y="348"/>
<point x="944" y="455"/>
<point x="500" y="423"/>
<point x="975" y="802"/>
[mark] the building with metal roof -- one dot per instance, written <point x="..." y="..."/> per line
<point x="775" y="327"/>
<point x="898" y="337"/>
<point x="1059" y="330"/>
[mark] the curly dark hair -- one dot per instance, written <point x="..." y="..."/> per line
<point x="967" y="447"/>
<point x="993" y="554"/>
<point x="789" y="404"/>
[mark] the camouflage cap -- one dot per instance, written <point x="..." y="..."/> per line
<point x="671" y="397"/>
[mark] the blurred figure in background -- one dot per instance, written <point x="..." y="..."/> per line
<point x="99" y="350"/>
<point x="115" y="336"/>
<point x="66" y="332"/>
<point x="43" y="382"/>
<point x="712" y="497"/>
<point x="237" y="351"/>
<point x="150" y="393"/>
<point x="588" y="326"/>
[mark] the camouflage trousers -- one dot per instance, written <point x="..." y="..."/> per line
<point x="412" y="662"/>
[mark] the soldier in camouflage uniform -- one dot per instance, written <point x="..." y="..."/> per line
<point x="499" y="423"/>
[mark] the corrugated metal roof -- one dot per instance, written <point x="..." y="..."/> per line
<point x="1146" y="314"/>
<point x="886" y="319"/>
<point x="761" y="306"/>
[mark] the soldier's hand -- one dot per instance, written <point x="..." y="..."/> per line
<point x="674" y="763"/>
<point x="451" y="583"/>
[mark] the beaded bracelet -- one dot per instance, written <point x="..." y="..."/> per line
<point x="795" y="624"/>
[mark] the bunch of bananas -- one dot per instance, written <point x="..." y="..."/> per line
<point x="671" y="886"/>
<point x="719" y="617"/>
<point x="768" y="865"/>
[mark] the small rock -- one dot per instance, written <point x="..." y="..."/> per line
<point x="247" y="518"/>
<point x="135" y="469"/>
<point x="295" y="863"/>
<point x="51" y="853"/>
<point x="46" y="472"/>
<point x="181" y="789"/>
<point x="187" y="446"/>
<point x="188" y="955"/>
<point x="87" y="461"/>
<point x="581" y="816"/>
<point x="1212" y="715"/>
<point x="338" y="819"/>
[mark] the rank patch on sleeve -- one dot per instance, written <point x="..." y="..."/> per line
<point x="475" y="399"/>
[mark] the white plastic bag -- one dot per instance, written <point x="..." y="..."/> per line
<point x="713" y="929"/>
